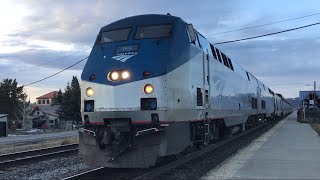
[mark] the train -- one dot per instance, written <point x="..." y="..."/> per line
<point x="153" y="86"/>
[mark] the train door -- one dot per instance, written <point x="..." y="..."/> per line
<point x="259" y="98"/>
<point x="206" y="71"/>
<point x="206" y="51"/>
<point x="206" y="81"/>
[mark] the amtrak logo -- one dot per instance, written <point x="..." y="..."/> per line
<point x="123" y="57"/>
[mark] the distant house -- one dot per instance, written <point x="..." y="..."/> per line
<point x="47" y="98"/>
<point x="44" y="114"/>
<point x="3" y="125"/>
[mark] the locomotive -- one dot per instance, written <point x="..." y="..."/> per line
<point x="154" y="86"/>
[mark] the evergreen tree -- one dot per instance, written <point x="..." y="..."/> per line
<point x="11" y="97"/>
<point x="75" y="97"/>
<point x="58" y="99"/>
<point x="70" y="105"/>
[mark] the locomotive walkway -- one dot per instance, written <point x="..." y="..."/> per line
<point x="290" y="150"/>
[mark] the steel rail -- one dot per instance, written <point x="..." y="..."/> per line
<point x="13" y="159"/>
<point x="151" y="173"/>
<point x="161" y="170"/>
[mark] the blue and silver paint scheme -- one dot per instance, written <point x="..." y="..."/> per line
<point x="180" y="72"/>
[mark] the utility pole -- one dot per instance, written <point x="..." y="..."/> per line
<point x="24" y="113"/>
<point x="314" y="91"/>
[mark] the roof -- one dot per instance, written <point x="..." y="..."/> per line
<point x="3" y="115"/>
<point x="47" y="109"/>
<point x="49" y="95"/>
<point x="34" y="117"/>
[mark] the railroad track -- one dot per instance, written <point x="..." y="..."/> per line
<point x="161" y="172"/>
<point x="19" y="158"/>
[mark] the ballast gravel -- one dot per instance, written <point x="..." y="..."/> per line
<point x="199" y="167"/>
<point x="57" y="168"/>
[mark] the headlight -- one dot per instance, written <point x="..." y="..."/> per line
<point x="114" y="76"/>
<point x="125" y="74"/>
<point x="89" y="91"/>
<point x="148" y="89"/>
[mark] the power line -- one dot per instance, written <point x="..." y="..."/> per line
<point x="55" y="73"/>
<point x="47" y="76"/>
<point x="267" y="24"/>
<point x="23" y="70"/>
<point x="254" y="37"/>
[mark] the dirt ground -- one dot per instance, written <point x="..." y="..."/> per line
<point x="30" y="145"/>
<point x="316" y="127"/>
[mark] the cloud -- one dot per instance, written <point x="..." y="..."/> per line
<point x="44" y="58"/>
<point x="278" y="63"/>
<point x="42" y="31"/>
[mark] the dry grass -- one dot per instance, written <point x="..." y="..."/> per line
<point x="316" y="127"/>
<point x="30" y="145"/>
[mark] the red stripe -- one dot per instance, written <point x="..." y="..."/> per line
<point x="140" y="122"/>
<point x="96" y="123"/>
<point x="133" y="122"/>
<point x="149" y="122"/>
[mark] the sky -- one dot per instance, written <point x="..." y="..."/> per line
<point x="40" y="38"/>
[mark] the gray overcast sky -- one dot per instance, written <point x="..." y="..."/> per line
<point x="35" y="32"/>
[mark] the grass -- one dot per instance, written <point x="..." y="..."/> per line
<point x="315" y="124"/>
<point x="31" y="145"/>
<point x="316" y="127"/>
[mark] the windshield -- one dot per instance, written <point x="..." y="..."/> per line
<point x="115" y="35"/>
<point x="156" y="31"/>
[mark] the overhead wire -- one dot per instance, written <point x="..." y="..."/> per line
<point x="34" y="82"/>
<point x="267" y="24"/>
<point x="56" y="72"/>
<point x="224" y="42"/>
<point x="269" y="34"/>
<point x="23" y="70"/>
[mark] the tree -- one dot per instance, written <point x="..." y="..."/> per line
<point x="71" y="99"/>
<point x="76" y="99"/>
<point x="58" y="99"/>
<point x="11" y="96"/>
<point x="23" y="110"/>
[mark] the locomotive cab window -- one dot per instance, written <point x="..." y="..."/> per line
<point x="205" y="45"/>
<point x="115" y="35"/>
<point x="155" y="31"/>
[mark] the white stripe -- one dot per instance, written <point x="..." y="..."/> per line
<point x="126" y="58"/>
<point x="122" y="58"/>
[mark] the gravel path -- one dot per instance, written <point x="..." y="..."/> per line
<point x="51" y="169"/>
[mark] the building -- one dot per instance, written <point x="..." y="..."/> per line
<point x="308" y="95"/>
<point x="44" y="113"/>
<point x="47" y="98"/>
<point x="295" y="102"/>
<point x="310" y="98"/>
<point x="3" y="125"/>
<point x="45" y="116"/>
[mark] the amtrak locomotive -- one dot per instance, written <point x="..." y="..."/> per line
<point x="154" y="86"/>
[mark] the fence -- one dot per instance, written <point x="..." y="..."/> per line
<point x="309" y="114"/>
